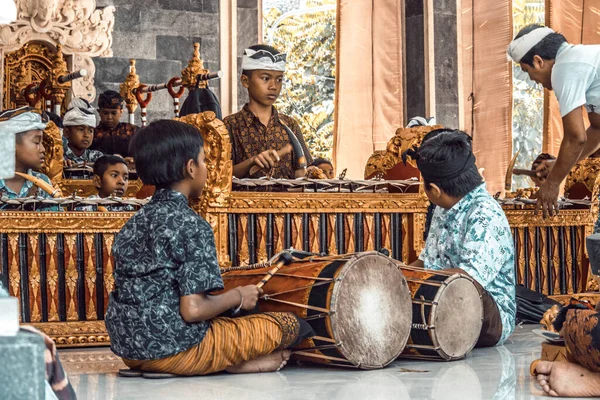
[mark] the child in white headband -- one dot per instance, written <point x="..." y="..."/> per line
<point x="79" y="123"/>
<point x="258" y="132"/>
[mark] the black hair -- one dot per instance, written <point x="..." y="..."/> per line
<point x="110" y="99"/>
<point x="547" y="48"/>
<point x="450" y="145"/>
<point x="55" y="118"/>
<point x="319" y="161"/>
<point x="102" y="164"/>
<point x="263" y="47"/>
<point x="162" y="149"/>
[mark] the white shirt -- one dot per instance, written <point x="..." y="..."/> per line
<point x="576" y="78"/>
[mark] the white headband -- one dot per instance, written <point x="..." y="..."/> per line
<point x="262" y="59"/>
<point x="521" y="46"/>
<point x="80" y="113"/>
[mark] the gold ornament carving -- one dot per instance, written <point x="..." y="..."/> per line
<point x="217" y="149"/>
<point x="30" y="64"/>
<point x="404" y="139"/>
<point x="325" y="202"/>
<point x="585" y="172"/>
<point x="128" y="87"/>
<point x="59" y="68"/>
<point x="195" y="66"/>
<point x="549" y="317"/>
<point x="75" y="334"/>
<point x="62" y="222"/>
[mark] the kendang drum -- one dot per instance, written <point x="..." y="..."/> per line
<point x="358" y="305"/>
<point x="447" y="314"/>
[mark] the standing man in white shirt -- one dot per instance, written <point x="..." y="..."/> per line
<point x="572" y="71"/>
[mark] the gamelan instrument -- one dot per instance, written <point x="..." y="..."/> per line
<point x="358" y="305"/>
<point x="447" y="314"/>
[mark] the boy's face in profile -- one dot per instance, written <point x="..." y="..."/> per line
<point x="199" y="178"/>
<point x="115" y="180"/>
<point x="263" y="86"/>
<point x="327" y="169"/>
<point x="110" y="117"/>
<point x="80" y="136"/>
<point x="30" y="150"/>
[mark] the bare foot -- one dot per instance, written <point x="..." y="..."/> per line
<point x="565" y="379"/>
<point x="269" y="363"/>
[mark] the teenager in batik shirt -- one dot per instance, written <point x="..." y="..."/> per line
<point x="469" y="232"/>
<point x="258" y="131"/>
<point x="112" y="136"/>
<point x="163" y="315"/>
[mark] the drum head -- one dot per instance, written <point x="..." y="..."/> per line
<point x="458" y="317"/>
<point x="373" y="310"/>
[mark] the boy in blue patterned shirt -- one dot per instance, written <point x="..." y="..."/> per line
<point x="163" y="315"/>
<point x="469" y="232"/>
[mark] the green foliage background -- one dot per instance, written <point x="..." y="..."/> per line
<point x="308" y="38"/>
<point x="528" y="98"/>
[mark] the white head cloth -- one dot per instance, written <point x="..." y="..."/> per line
<point x="12" y="122"/>
<point x="81" y="113"/>
<point x="262" y="59"/>
<point x="521" y="46"/>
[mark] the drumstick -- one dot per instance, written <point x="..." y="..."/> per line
<point x="285" y="258"/>
<point x="287" y="149"/>
<point x="270" y="274"/>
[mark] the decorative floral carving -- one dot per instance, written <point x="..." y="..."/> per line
<point x="83" y="32"/>
<point x="405" y="138"/>
<point x="77" y="25"/>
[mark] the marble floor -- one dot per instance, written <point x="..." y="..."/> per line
<point x="494" y="373"/>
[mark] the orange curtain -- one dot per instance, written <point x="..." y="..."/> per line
<point x="579" y="21"/>
<point x="369" y="92"/>
<point x="486" y="27"/>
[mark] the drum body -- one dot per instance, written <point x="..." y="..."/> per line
<point x="359" y="306"/>
<point x="447" y="314"/>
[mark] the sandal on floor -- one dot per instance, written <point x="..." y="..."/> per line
<point x="158" y="375"/>
<point x="130" y="373"/>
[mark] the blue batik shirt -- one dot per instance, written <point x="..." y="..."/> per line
<point x="474" y="236"/>
<point x="165" y="251"/>
<point x="88" y="156"/>
<point x="29" y="189"/>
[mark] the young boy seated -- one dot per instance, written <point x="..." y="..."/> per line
<point x="469" y="232"/>
<point x="162" y="316"/>
<point x="79" y="123"/>
<point x="28" y="125"/>
<point x="257" y="132"/>
<point x="111" y="177"/>
<point x="324" y="165"/>
<point x="112" y="136"/>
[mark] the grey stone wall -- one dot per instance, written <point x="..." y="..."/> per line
<point x="415" y="61"/>
<point x="446" y="62"/>
<point x="247" y="27"/>
<point x="160" y="34"/>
